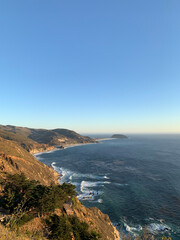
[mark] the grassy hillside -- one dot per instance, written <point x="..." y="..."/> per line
<point x="7" y="234"/>
<point x="15" y="159"/>
<point x="34" y="139"/>
<point x="23" y="141"/>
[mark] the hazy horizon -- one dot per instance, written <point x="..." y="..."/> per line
<point x="99" y="133"/>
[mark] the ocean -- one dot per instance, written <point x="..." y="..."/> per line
<point x="136" y="181"/>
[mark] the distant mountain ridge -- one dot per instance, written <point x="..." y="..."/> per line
<point x="34" y="140"/>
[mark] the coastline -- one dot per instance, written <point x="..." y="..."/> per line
<point x="104" y="139"/>
<point x="57" y="148"/>
<point x="101" y="215"/>
<point x="62" y="147"/>
<point x="45" y="151"/>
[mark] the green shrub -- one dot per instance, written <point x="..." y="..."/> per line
<point x="63" y="228"/>
<point x="81" y="230"/>
<point x="17" y="189"/>
<point x="59" y="228"/>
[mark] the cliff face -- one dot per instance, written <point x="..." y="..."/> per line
<point x="15" y="159"/>
<point x="97" y="221"/>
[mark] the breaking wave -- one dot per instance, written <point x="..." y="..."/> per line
<point x="91" y="190"/>
<point x="65" y="174"/>
<point x="136" y="230"/>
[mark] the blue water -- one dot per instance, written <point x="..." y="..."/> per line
<point x="136" y="181"/>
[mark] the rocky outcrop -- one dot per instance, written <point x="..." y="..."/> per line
<point x="97" y="221"/>
<point x="41" y="149"/>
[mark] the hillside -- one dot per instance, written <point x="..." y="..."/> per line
<point x="97" y="221"/>
<point x="16" y="146"/>
<point x="34" y="140"/>
<point x="15" y="159"/>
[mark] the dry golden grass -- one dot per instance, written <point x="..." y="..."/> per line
<point x="7" y="234"/>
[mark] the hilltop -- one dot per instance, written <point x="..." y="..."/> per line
<point x="35" y="140"/>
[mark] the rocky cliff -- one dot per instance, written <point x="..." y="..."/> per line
<point x="97" y="221"/>
<point x="15" y="159"/>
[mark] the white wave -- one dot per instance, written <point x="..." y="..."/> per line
<point x="106" y="177"/>
<point x="91" y="176"/>
<point x="53" y="164"/>
<point x="87" y="190"/>
<point x="100" y="200"/>
<point x="132" y="229"/>
<point x="54" y="167"/>
<point x="87" y="184"/>
<point x="68" y="175"/>
<point x="121" y="184"/>
<point x="65" y="174"/>
<point x="158" y="227"/>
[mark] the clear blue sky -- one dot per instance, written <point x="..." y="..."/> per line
<point x="93" y="66"/>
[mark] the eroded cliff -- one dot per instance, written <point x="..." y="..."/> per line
<point x="15" y="159"/>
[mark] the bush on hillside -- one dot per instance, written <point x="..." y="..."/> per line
<point x="62" y="228"/>
<point x="17" y="189"/>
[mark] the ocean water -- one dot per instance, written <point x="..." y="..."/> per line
<point x="136" y="181"/>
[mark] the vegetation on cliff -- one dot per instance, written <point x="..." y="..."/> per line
<point x="26" y="199"/>
<point x="17" y="190"/>
<point x="34" y="140"/>
<point x="32" y="196"/>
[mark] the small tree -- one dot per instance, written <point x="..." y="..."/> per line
<point x="59" y="228"/>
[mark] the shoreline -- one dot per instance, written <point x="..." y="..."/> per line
<point x="57" y="148"/>
<point x="62" y="147"/>
<point x="104" y="139"/>
<point x="42" y="152"/>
